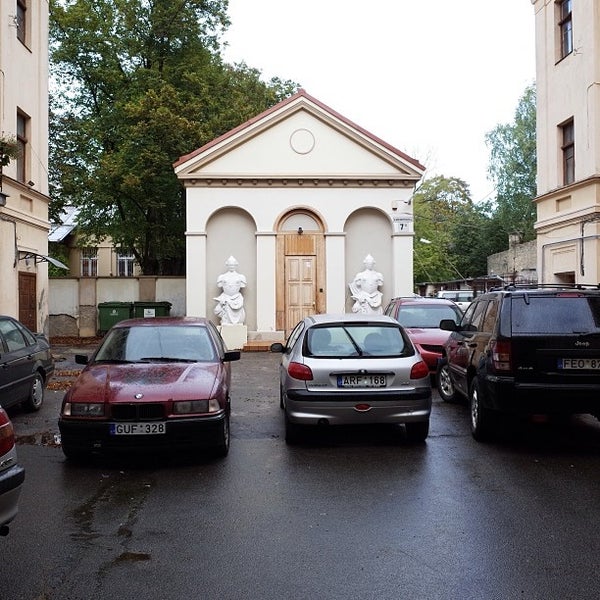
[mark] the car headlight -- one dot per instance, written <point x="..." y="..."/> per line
<point x="186" y="407"/>
<point x="83" y="409"/>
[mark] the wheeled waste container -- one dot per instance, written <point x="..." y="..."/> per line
<point x="151" y="309"/>
<point x="110" y="313"/>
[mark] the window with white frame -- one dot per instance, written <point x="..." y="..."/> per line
<point x="125" y="262"/>
<point x="89" y="262"/>
<point x="565" y="26"/>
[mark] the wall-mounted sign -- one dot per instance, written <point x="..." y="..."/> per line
<point x="403" y="224"/>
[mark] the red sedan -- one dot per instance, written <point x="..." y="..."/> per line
<point x="153" y="384"/>
<point x="421" y="318"/>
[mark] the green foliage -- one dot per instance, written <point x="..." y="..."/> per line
<point x="137" y="85"/>
<point x="9" y="149"/>
<point x="513" y="168"/>
<point x="461" y="234"/>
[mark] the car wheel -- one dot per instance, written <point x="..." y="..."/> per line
<point x="481" y="417"/>
<point x="292" y="432"/>
<point x="281" y="405"/>
<point x="444" y="383"/>
<point x="417" y="432"/>
<point x="222" y="448"/>
<point x="36" y="394"/>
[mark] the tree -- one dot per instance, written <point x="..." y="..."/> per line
<point x="513" y="169"/>
<point x="459" y="234"/>
<point x="137" y="84"/>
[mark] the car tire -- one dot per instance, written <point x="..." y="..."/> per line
<point x="292" y="432"/>
<point x="281" y="404"/>
<point x="445" y="386"/>
<point x="482" y="418"/>
<point x="417" y="432"/>
<point x="36" y="394"/>
<point x="222" y="447"/>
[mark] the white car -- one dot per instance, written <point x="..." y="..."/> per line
<point x="461" y="297"/>
<point x="12" y="474"/>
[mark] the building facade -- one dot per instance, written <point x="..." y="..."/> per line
<point x="568" y="140"/>
<point x="299" y="196"/>
<point x="24" y="181"/>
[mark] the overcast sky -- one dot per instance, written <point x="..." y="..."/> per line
<point x="430" y="77"/>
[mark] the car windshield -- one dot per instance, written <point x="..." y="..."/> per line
<point x="566" y="314"/>
<point x="345" y="340"/>
<point x="157" y="344"/>
<point x="427" y="316"/>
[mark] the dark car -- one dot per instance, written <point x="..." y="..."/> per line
<point x="352" y="369"/>
<point x="421" y="318"/>
<point x="157" y="384"/>
<point x="26" y="365"/>
<point x="523" y="350"/>
<point x="12" y="474"/>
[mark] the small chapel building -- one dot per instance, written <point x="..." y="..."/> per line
<point x="299" y="196"/>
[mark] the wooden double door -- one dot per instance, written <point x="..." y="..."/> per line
<point x="300" y="292"/>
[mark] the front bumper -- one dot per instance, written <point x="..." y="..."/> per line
<point x="86" y="436"/>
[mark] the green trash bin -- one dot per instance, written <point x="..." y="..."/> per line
<point x="110" y="313"/>
<point x="151" y="309"/>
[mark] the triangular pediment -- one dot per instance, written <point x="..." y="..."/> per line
<point x="298" y="138"/>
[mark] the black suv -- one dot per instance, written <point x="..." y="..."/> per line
<point x="524" y="350"/>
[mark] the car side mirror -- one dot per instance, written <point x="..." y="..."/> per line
<point x="232" y="355"/>
<point x="449" y="325"/>
<point x="82" y="359"/>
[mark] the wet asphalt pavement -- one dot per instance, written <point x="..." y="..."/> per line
<point x="351" y="514"/>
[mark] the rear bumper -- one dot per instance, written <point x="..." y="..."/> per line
<point x="504" y="394"/>
<point x="355" y="408"/>
<point x="181" y="435"/>
<point x="11" y="483"/>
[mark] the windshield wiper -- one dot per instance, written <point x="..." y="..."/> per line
<point x="113" y="361"/>
<point x="159" y="359"/>
<point x="356" y="346"/>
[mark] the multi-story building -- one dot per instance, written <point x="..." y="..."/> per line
<point x="568" y="140"/>
<point x="24" y="181"/>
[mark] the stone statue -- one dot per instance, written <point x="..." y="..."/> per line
<point x="230" y="307"/>
<point x="367" y="298"/>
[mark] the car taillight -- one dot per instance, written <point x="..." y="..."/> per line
<point x="7" y="433"/>
<point x="501" y="354"/>
<point x="419" y="370"/>
<point x="299" y="371"/>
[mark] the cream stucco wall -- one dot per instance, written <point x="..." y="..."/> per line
<point x="568" y="88"/>
<point x="24" y="219"/>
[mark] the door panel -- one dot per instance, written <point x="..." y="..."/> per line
<point x="300" y="288"/>
<point x="27" y="300"/>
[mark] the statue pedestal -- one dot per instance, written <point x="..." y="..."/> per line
<point x="234" y="336"/>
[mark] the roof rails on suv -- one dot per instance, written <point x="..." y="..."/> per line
<point x="525" y="350"/>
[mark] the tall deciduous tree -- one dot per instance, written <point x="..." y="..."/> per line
<point x="138" y="83"/>
<point x="513" y="168"/>
<point x="459" y="234"/>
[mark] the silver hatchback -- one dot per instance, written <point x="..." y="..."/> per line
<point x="353" y="369"/>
